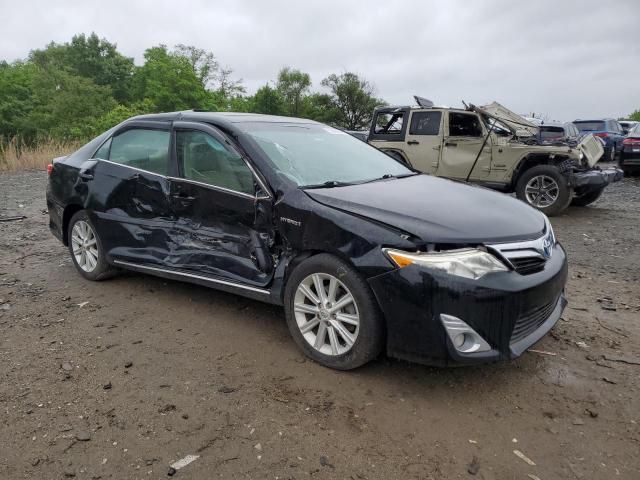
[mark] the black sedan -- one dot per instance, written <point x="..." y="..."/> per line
<point x="630" y="154"/>
<point x="365" y="254"/>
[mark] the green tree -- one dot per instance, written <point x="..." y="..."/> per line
<point x="204" y="64"/>
<point x="635" y="116"/>
<point x="268" y="100"/>
<point x="169" y="82"/>
<point x="92" y="58"/>
<point x="354" y="99"/>
<point x="16" y="102"/>
<point x="65" y="105"/>
<point x="293" y="85"/>
<point x="320" y="107"/>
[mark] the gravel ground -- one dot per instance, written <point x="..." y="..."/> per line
<point x="122" y="378"/>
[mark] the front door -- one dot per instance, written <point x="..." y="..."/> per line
<point x="464" y="136"/>
<point x="222" y="226"/>
<point x="128" y="191"/>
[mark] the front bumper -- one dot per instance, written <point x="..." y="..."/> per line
<point x="509" y="310"/>
<point x="595" y="179"/>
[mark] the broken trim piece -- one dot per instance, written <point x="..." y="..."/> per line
<point x="191" y="275"/>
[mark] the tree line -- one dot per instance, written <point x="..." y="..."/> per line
<point x="75" y="90"/>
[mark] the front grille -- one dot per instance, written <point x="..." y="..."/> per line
<point x="531" y="321"/>
<point x="527" y="265"/>
<point x="529" y="256"/>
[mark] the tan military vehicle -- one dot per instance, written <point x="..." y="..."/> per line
<point x="493" y="147"/>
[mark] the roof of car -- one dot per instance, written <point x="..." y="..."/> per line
<point x="392" y="108"/>
<point x="227" y="117"/>
<point x="592" y="120"/>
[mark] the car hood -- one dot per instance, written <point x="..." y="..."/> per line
<point x="520" y="126"/>
<point x="438" y="210"/>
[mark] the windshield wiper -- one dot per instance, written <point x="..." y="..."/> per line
<point x="328" y="184"/>
<point x="390" y="175"/>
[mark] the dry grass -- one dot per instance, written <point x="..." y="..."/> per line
<point x="16" y="155"/>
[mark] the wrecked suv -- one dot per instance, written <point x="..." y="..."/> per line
<point x="365" y="254"/>
<point x="493" y="147"/>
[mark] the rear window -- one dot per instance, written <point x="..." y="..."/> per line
<point x="551" y="132"/>
<point x="589" y="126"/>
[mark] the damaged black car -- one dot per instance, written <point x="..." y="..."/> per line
<point x="365" y="254"/>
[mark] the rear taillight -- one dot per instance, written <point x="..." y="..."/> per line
<point x="631" y="141"/>
<point x="601" y="134"/>
<point x="50" y="169"/>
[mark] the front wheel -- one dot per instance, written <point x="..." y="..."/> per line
<point x="332" y="314"/>
<point x="545" y="188"/>
<point x="586" y="198"/>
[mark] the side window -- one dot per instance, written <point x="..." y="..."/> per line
<point x="389" y="123"/>
<point x="204" y="159"/>
<point x="103" y="151"/>
<point x="464" y="125"/>
<point x="425" y="123"/>
<point x="141" y="148"/>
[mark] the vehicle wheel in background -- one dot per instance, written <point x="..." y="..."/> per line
<point x="398" y="157"/>
<point x="586" y="198"/>
<point x="630" y="171"/>
<point x="86" y="249"/>
<point x="332" y="314"/>
<point x="545" y="188"/>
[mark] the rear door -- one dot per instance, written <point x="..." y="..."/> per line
<point x="424" y="140"/>
<point x="223" y="225"/>
<point x="463" y="138"/>
<point x="128" y="190"/>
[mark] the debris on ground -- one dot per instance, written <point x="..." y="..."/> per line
<point x="12" y="218"/>
<point x="183" y="462"/>
<point x="474" y="466"/>
<point x="522" y="456"/>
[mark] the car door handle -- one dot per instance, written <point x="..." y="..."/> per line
<point x="450" y="144"/>
<point x="413" y="142"/>
<point x="86" y="175"/>
<point x="183" y="197"/>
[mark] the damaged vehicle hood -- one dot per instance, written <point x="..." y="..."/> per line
<point x="520" y="126"/>
<point x="437" y="210"/>
<point x="591" y="148"/>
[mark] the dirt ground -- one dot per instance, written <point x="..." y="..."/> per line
<point x="122" y="378"/>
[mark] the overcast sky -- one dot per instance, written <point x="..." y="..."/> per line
<point x="562" y="59"/>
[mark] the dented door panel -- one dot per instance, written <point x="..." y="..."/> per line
<point x="132" y="212"/>
<point x="219" y="233"/>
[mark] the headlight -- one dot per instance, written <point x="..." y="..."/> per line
<point x="467" y="262"/>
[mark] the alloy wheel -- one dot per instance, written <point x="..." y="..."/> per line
<point x="326" y="314"/>
<point x="542" y="191"/>
<point x="85" y="246"/>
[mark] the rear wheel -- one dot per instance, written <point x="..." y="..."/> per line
<point x="545" y="188"/>
<point x="586" y="198"/>
<point x="86" y="249"/>
<point x="332" y="314"/>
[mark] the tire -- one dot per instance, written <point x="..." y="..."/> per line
<point x="98" y="268"/>
<point x="586" y="198"/>
<point x="364" y="336"/>
<point x="630" y="171"/>
<point x="396" y="156"/>
<point x="561" y="196"/>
